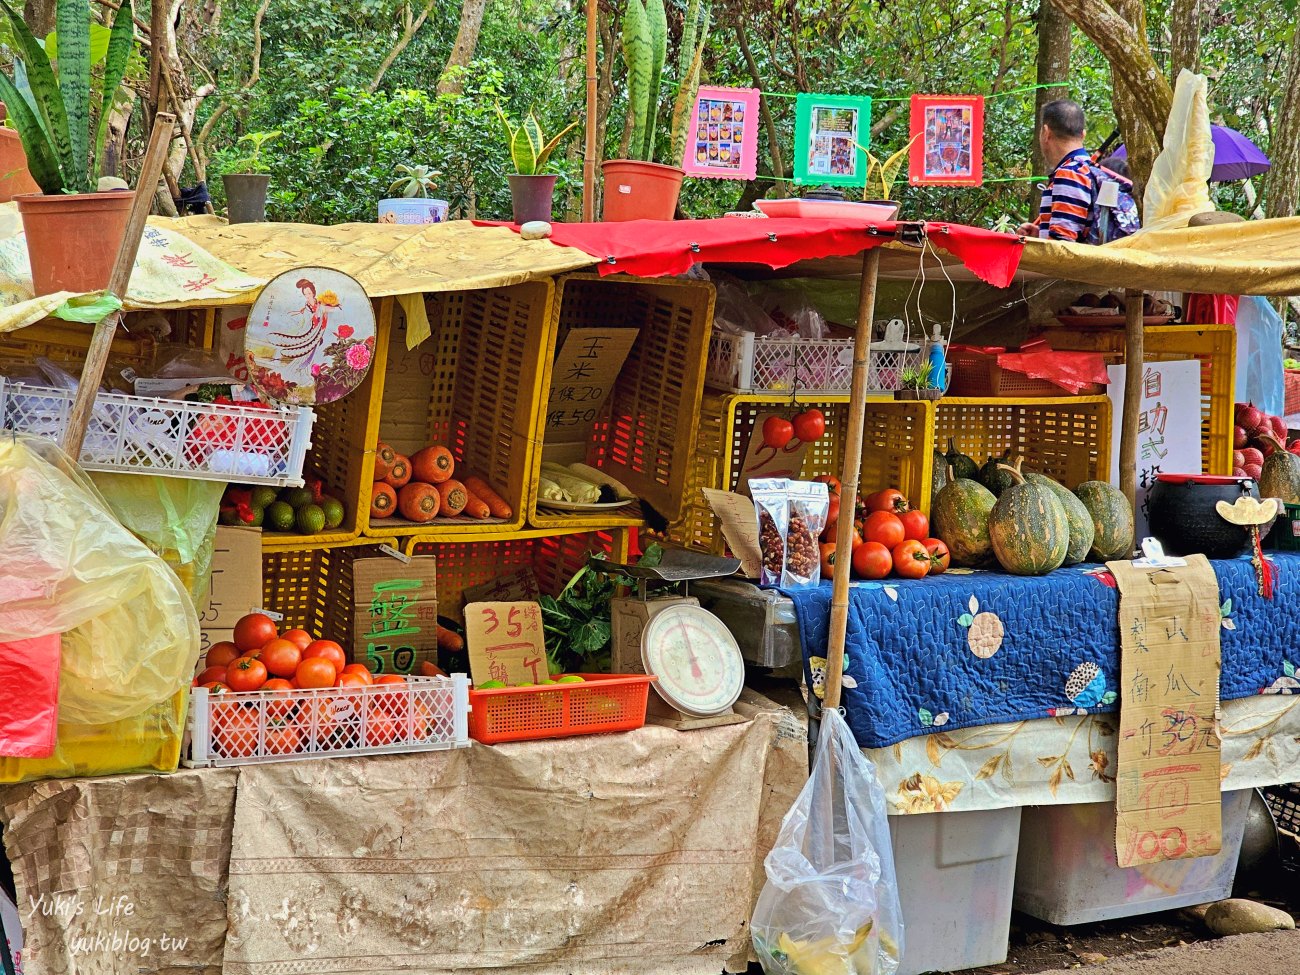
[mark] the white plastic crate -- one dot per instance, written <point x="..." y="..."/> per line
<point x="747" y="363"/>
<point x="1067" y="872"/>
<point x="173" y="438"/>
<point x="424" y="714"/>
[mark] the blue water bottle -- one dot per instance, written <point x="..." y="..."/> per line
<point x="938" y="365"/>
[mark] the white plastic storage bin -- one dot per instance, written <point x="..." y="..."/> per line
<point x="955" y="872"/>
<point x="747" y="363"/>
<point x="1067" y="872"/>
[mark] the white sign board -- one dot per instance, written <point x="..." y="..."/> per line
<point x="1169" y="425"/>
<point x="12" y="929"/>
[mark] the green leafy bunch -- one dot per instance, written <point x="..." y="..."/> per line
<point x="253" y="162"/>
<point x="49" y="96"/>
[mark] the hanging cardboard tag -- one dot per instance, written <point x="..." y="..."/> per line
<point x="762" y="461"/>
<point x="506" y="643"/>
<point x="1167" y="785"/>
<point x="739" y="527"/>
<point x="518" y="586"/>
<point x="395" y="613"/>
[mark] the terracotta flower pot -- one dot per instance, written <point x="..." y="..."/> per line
<point x="73" y="239"/>
<point x="14" y="177"/>
<point x="640" y="190"/>
<point x="532" y="197"/>
<point x="246" y="197"/>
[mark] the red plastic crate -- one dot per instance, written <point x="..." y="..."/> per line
<point x="601" y="703"/>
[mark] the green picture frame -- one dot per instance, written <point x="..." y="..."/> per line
<point x="831" y="137"/>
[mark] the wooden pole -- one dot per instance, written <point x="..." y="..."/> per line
<point x="589" y="157"/>
<point x="1133" y="363"/>
<point x="159" y="141"/>
<point x="849" y="479"/>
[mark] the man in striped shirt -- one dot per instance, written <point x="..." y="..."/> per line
<point x="1066" y="210"/>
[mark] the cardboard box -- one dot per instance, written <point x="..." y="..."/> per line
<point x="236" y="587"/>
<point x="395" y="613"/>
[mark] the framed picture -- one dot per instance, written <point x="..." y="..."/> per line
<point x="723" y="139"/>
<point x="948" y="134"/>
<point x="831" y="135"/>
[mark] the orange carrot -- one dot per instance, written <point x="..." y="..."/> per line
<point x="475" y="507"/>
<point x="449" y="640"/>
<point x="429" y="669"/>
<point x="496" y="504"/>
<point x="454" y="497"/>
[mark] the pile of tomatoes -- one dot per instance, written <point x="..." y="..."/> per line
<point x="889" y="536"/>
<point x="806" y="427"/>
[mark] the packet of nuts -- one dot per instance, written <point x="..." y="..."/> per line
<point x="771" y="501"/>
<point x="808" y="504"/>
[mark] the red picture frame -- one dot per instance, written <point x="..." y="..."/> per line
<point x="947" y="141"/>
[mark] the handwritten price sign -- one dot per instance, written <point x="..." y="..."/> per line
<point x="506" y="643"/>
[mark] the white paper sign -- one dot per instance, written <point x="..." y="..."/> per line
<point x="1169" y="425"/>
<point x="12" y="930"/>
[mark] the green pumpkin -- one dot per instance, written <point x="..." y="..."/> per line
<point x="992" y="475"/>
<point x="1082" y="530"/>
<point x="1280" y="477"/>
<point x="963" y="466"/>
<point x="1112" y="520"/>
<point x="939" y="478"/>
<point x="1029" y="529"/>
<point x="960" y="516"/>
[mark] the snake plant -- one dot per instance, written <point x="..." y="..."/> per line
<point x="645" y="52"/>
<point x="51" y="107"/>
<point x="529" y="150"/>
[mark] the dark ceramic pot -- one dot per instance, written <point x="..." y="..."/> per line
<point x="1180" y="509"/>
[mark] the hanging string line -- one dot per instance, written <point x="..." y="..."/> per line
<point x="1000" y="179"/>
<point x="903" y="98"/>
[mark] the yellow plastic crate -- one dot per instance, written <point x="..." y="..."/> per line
<point x="895" y="452"/>
<point x="1215" y="346"/>
<point x="66" y="344"/>
<point x="1066" y="438"/>
<point x="652" y="409"/>
<point x="473" y="386"/>
<point x="149" y="742"/>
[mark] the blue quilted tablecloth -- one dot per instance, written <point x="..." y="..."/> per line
<point x="975" y="648"/>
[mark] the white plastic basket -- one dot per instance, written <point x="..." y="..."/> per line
<point x="748" y="363"/>
<point x="174" y="438"/>
<point x="424" y="714"/>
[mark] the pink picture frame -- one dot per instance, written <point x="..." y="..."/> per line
<point x="722" y="134"/>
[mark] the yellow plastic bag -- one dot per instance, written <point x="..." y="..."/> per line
<point x="1178" y="188"/>
<point x="130" y="633"/>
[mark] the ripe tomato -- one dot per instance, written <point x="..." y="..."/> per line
<point x="351" y="680"/>
<point x="871" y="560"/>
<point x="833" y="512"/>
<point x="911" y="560"/>
<point x="281" y="657"/>
<point x="915" y="525"/>
<point x="254" y="631"/>
<point x="234" y="729"/>
<point x="832" y="483"/>
<point x="810" y="425"/>
<point x="360" y="670"/>
<point x="211" y="674"/>
<point x="828" y="559"/>
<point x="328" y="649"/>
<point x="316" y="672"/>
<point x="390" y="679"/>
<point x="381" y="728"/>
<point x="300" y="638"/>
<point x="321" y="713"/>
<point x="777" y="432"/>
<point x="221" y="654"/>
<point x="891" y="499"/>
<point x="939" y="557"/>
<point x="281" y="738"/>
<point x="246" y="674"/>
<point x="885" y="528"/>
<point x="283" y="706"/>
<point x="216" y="687"/>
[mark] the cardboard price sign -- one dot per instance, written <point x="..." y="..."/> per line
<point x="739" y="523"/>
<point x="763" y="461"/>
<point x="506" y="643"/>
<point x="584" y="373"/>
<point x="236" y="586"/>
<point x="1167" y="787"/>
<point x="395" y="613"/>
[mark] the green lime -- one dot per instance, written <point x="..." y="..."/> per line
<point x="334" y="512"/>
<point x="259" y="517"/>
<point x="310" y="519"/>
<point x="570" y="679"/>
<point x="261" y="497"/>
<point x="279" y="516"/>
<point x="230" y="516"/>
<point x="296" y="497"/>
<point x="488" y="685"/>
<point x="548" y="682"/>
<point x="526" y="683"/>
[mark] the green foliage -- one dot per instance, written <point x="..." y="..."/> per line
<point x="252" y="161"/>
<point x="529" y="150"/>
<point x="413" y="182"/>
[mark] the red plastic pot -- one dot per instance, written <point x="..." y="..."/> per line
<point x="640" y="190"/>
<point x="73" y="239"/>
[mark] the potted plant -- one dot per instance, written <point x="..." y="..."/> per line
<point x="247" y="181"/>
<point x="63" y="141"/>
<point x="881" y="176"/>
<point x="532" y="192"/>
<point x="410" y="197"/>
<point x="638" y="188"/>
<point x="916" y="384"/>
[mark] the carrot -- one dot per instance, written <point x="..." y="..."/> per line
<point x="454" y="497"/>
<point x="430" y="669"/>
<point x="475" y="507"/>
<point x="496" y="504"/>
<point x="449" y="640"/>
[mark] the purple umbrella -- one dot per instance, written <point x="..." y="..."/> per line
<point x="1235" y="156"/>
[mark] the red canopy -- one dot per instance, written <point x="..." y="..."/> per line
<point x="653" y="248"/>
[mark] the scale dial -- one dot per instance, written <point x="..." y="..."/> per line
<point x="696" y="659"/>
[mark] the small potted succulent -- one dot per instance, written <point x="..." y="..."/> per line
<point x="532" y="191"/>
<point x="247" y="179"/>
<point x="63" y="141"/>
<point x="916" y="384"/>
<point x="410" y="197"/>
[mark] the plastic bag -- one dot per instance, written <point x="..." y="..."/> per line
<point x="736" y="313"/>
<point x="773" y="518"/>
<point x="1260" y="377"/>
<point x="809" y="504"/>
<point x="130" y="633"/>
<point x="1179" y="185"/>
<point x="830" y="905"/>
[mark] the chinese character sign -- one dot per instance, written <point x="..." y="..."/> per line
<point x="506" y="643"/>
<point x="1169" y="425"/>
<point x="395" y="613"/>
<point x="584" y="373"/>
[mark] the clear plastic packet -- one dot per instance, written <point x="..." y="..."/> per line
<point x="770" y="501"/>
<point x="808" y="504"/>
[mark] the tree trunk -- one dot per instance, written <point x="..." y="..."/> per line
<point x="1282" y="189"/>
<point x="765" y="113"/>
<point x="462" y="52"/>
<point x="1054" y="38"/>
<point x="39" y="16"/>
<point x="1184" y="37"/>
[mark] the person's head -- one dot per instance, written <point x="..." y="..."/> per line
<point x="1061" y="129"/>
<point x="307" y="288"/>
<point x="1116" y="164"/>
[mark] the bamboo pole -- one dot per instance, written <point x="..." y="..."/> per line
<point x="849" y="479"/>
<point x="101" y="341"/>
<point x="1133" y="363"/>
<point x="589" y="156"/>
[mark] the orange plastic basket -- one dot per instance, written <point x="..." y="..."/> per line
<point x="601" y="703"/>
